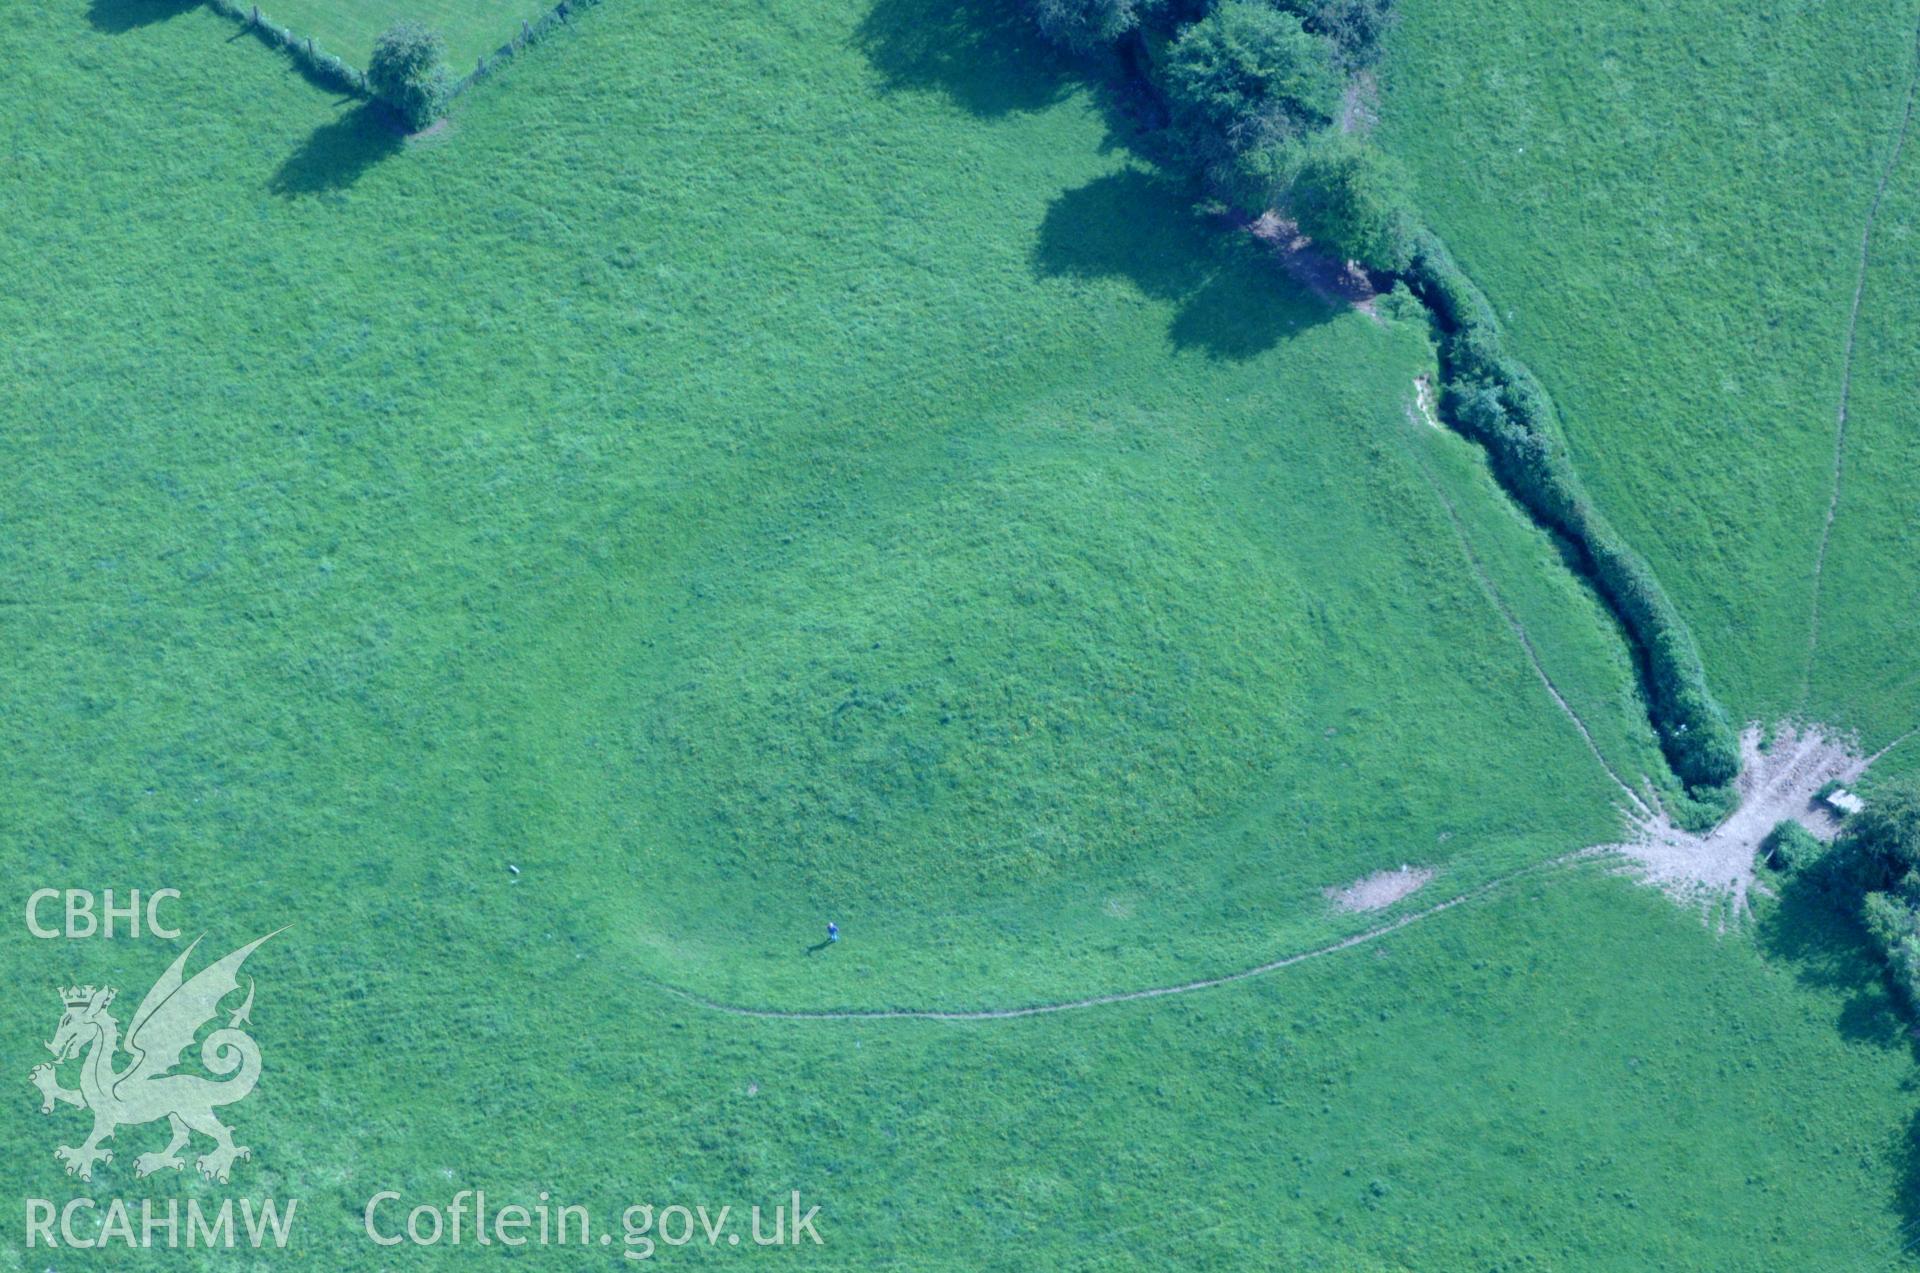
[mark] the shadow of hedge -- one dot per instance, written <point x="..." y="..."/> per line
<point x="116" y="17"/>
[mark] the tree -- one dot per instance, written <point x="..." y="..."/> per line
<point x="408" y="71"/>
<point x="1879" y="853"/>
<point x="1356" y="27"/>
<point x="1895" y="927"/>
<point x="1084" y="25"/>
<point x="1353" y="199"/>
<point x="1791" y="847"/>
<point x="1884" y="837"/>
<point x="1248" y="80"/>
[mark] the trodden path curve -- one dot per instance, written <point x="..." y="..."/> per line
<point x="1131" y="996"/>
<point x="1616" y="853"/>
<point x="1499" y="602"/>
<point x="1846" y="370"/>
<point x="1482" y="890"/>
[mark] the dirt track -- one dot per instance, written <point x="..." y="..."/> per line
<point x="1846" y="369"/>
<point x="1777" y="784"/>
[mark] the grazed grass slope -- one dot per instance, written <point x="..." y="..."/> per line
<point x="626" y="483"/>
<point x="1575" y="1075"/>
<point x="1666" y="206"/>
<point x="893" y="509"/>
<point x="1867" y="665"/>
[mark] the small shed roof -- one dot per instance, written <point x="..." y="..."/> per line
<point x="1844" y="801"/>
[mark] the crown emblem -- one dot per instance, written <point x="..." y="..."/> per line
<point x="79" y="996"/>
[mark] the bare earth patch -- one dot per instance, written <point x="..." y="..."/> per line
<point x="1360" y="104"/>
<point x="1338" y="283"/>
<point x="1773" y="785"/>
<point x="1379" y="890"/>
<point x="1423" y="399"/>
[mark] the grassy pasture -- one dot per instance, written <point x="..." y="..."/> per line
<point x="1574" y="1074"/>
<point x="1866" y="664"/>
<point x="810" y="504"/>
<point x="1666" y="205"/>
<point x="893" y="509"/>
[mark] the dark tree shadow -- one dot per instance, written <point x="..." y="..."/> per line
<point x="1816" y="930"/>
<point x="1248" y="306"/>
<point x="336" y="154"/>
<point x="117" y="17"/>
<point x="1235" y="299"/>
<point x="1130" y="224"/>
<point x="1813" y="932"/>
<point x="1907" y="1191"/>
<point x="983" y="54"/>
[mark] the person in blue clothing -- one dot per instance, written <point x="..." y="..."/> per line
<point x="833" y="931"/>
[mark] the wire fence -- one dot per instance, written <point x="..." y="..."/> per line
<point x="318" y="64"/>
<point x="336" y="72"/>
<point x="530" y="34"/>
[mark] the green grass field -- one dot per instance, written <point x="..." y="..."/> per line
<point x="771" y="462"/>
<point x="729" y="567"/>
<point x="1667" y="208"/>
<point x="1870" y="599"/>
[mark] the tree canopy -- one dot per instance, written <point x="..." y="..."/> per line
<point x="1352" y="199"/>
<point x="1083" y="25"/>
<point x="1248" y="78"/>
<point x="408" y="70"/>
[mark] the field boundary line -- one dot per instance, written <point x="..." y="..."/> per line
<point x="1492" y="591"/>
<point x="1152" y="992"/>
<point x="1846" y="368"/>
<point x="532" y="31"/>
<point x="1890" y="746"/>
<point x="303" y="50"/>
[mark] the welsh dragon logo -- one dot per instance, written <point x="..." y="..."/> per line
<point x="164" y="1026"/>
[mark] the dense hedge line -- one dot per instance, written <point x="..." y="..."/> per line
<point x="1251" y="90"/>
<point x="338" y="73"/>
<point x="1495" y="400"/>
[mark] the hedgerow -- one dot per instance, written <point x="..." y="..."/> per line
<point x="1877" y="858"/>
<point x="1495" y="400"/>
<point x="336" y="72"/>
<point x="530" y="34"/>
<point x="1251" y="89"/>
